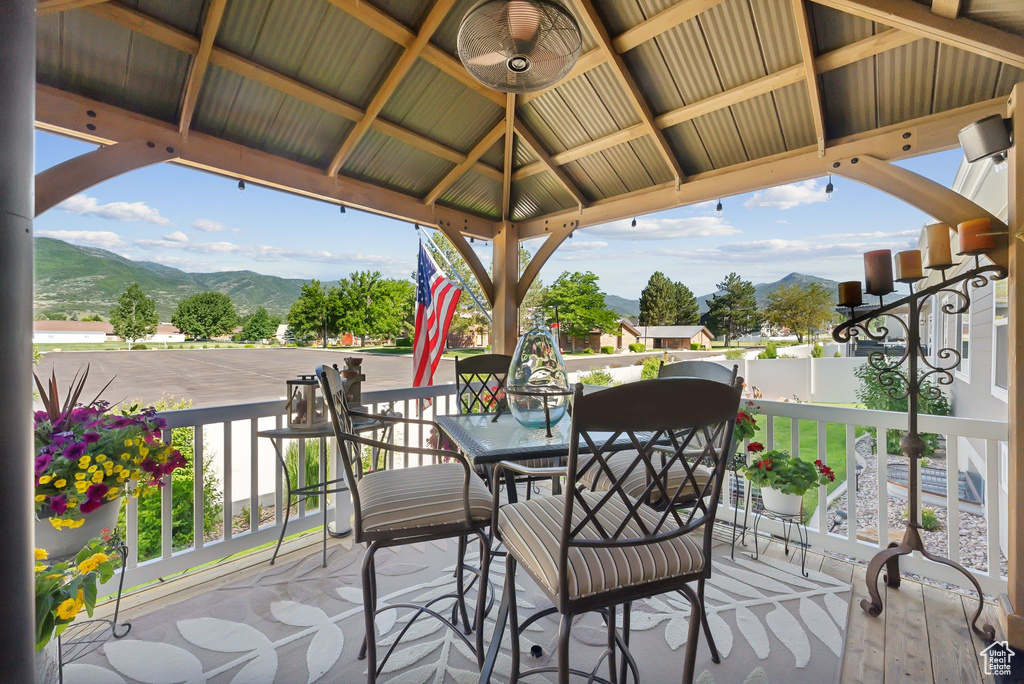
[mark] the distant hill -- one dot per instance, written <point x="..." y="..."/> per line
<point x="72" y="279"/>
<point x="620" y="305"/>
<point x="763" y="289"/>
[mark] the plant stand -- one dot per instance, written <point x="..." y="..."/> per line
<point x="82" y="638"/>
<point x="788" y="523"/>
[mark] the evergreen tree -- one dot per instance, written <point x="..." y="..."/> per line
<point x="580" y="305"/>
<point x="316" y="313"/>
<point x="685" y="310"/>
<point x="205" y="315"/>
<point x="658" y="301"/>
<point x="134" y="316"/>
<point x="732" y="311"/>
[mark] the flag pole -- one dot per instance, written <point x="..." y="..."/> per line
<point x="465" y="288"/>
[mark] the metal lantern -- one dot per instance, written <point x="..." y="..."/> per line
<point x="305" y="405"/>
<point x="353" y="377"/>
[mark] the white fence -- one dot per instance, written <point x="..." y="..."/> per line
<point x="240" y="423"/>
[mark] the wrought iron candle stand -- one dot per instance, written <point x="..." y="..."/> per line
<point x="901" y="384"/>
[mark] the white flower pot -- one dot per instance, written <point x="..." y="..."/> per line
<point x="66" y="543"/>
<point x="786" y="504"/>
<point x="48" y="663"/>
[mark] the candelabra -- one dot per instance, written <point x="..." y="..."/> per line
<point x="900" y="384"/>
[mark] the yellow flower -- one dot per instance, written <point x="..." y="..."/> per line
<point x="143" y="451"/>
<point x="82" y="465"/>
<point x="54" y="575"/>
<point x="113" y="490"/>
<point x="40" y="497"/>
<point x="92" y="469"/>
<point x="118" y="468"/>
<point x="60" y="483"/>
<point x="97" y="476"/>
<point x="79" y="600"/>
<point x="101" y="458"/>
<point x="85" y="459"/>
<point x="79" y="476"/>
<point x="56" y="522"/>
<point x="81" y="486"/>
<point x="126" y="456"/>
<point x="41" y="554"/>
<point x="127" y="442"/>
<point x="75" y="523"/>
<point x="40" y="567"/>
<point x="45" y="479"/>
<point x="67" y="610"/>
<point x="92" y="562"/>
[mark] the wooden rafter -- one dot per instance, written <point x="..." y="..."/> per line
<point x="45" y="7"/>
<point x="399" y="33"/>
<point x="807" y="52"/>
<point x="593" y="147"/>
<point x="864" y="48"/>
<point x="963" y="34"/>
<point x="214" y="14"/>
<point x="595" y="26"/>
<point x="168" y="35"/>
<point x="947" y="8"/>
<point x="563" y="178"/>
<point x="474" y="154"/>
<point x="509" y="133"/>
<point x="661" y="22"/>
<point x="66" y="113"/>
<point x="434" y="18"/>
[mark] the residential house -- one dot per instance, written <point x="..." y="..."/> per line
<point x="626" y="333"/>
<point x="676" y="336"/>
<point x="93" y="332"/>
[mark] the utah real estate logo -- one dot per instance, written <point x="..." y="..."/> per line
<point x="997" y="656"/>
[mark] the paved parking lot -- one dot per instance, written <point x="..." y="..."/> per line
<point x="230" y="376"/>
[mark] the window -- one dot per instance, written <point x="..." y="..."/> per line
<point x="962" y="342"/>
<point x="1000" y="338"/>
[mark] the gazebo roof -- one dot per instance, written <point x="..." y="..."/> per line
<point x="665" y="93"/>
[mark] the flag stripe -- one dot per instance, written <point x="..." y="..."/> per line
<point x="436" y="302"/>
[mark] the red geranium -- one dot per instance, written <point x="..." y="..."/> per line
<point x="755" y="447"/>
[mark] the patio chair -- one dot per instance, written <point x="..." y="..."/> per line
<point x="708" y="370"/>
<point x="642" y="552"/>
<point x="399" y="506"/>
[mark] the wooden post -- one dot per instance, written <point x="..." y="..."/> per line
<point x="505" y="274"/>
<point x="1012" y="604"/>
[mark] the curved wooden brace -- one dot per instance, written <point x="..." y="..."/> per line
<point x="538" y="260"/>
<point x="932" y="198"/>
<point x="57" y="183"/>
<point x="472" y="260"/>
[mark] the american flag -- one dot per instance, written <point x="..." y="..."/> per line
<point x="436" y="301"/>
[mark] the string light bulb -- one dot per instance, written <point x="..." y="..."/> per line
<point x="241" y="186"/>
<point x="829" y="189"/>
<point x="342" y="207"/>
<point x="634" y="224"/>
<point x="718" y="209"/>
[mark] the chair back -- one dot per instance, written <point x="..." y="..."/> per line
<point x="709" y="370"/>
<point x="690" y="416"/>
<point x="333" y="388"/>
<point x="480" y="383"/>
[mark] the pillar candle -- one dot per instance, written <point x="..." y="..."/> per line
<point x="908" y="266"/>
<point x="878" y="272"/>
<point x="939" y="254"/>
<point x="850" y="293"/>
<point x="975" y="236"/>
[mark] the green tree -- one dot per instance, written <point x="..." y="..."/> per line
<point x="357" y="294"/>
<point x="732" y="310"/>
<point x="316" y="313"/>
<point x="685" y="306"/>
<point x="134" y="316"/>
<point x="391" y="311"/>
<point x="658" y="301"/>
<point x="580" y="305"/>
<point x="468" y="319"/>
<point x="803" y="308"/>
<point x="259" y="326"/>
<point x="205" y="315"/>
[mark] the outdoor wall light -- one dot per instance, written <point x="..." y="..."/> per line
<point x="988" y="137"/>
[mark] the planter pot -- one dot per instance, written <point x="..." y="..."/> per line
<point x="777" y="502"/>
<point x="65" y="543"/>
<point x="48" y="662"/>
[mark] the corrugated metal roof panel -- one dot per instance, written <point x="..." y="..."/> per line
<point x="437" y="106"/>
<point x="409" y="12"/>
<point x="582" y="180"/>
<point x="649" y="153"/>
<point x="729" y="29"/>
<point x="904" y="82"/>
<point x="554" y="123"/>
<point x="607" y="90"/>
<point x="795" y="115"/>
<point x="962" y="78"/>
<point x="834" y="29"/>
<point x="521" y="153"/>
<point x="620" y="15"/>
<point x="603" y="175"/>
<point x="690" y="65"/>
<point x="721" y="138"/>
<point x="186" y="15"/>
<point x="776" y="30"/>
<point x="305" y="133"/>
<point x="241" y="25"/>
<point x="689" y="148"/>
<point x="628" y="166"/>
<point x="1008" y="77"/>
<point x="382" y="159"/>
<point x="495" y="156"/>
<point x="581" y="99"/>
<point x="446" y="36"/>
<point x="1004" y="14"/>
<point x="475" y="193"/>
<point x="246" y="110"/>
<point x="536" y="195"/>
<point x="758" y="123"/>
<point x="849" y="94"/>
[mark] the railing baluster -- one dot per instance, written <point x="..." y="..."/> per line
<point x="770" y="431"/>
<point x="131" y="524"/>
<point x="992" y="505"/>
<point x="227" y="481"/>
<point x="953" y="498"/>
<point x="851" y="482"/>
<point x="198" y="509"/>
<point x="166" y="511"/>
<point x="300" y="475"/>
<point x="822" y="489"/>
<point x="254" y="475"/>
<point x="279" y="481"/>
<point x="882" y="463"/>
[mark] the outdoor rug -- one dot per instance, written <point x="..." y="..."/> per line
<point x="299" y="623"/>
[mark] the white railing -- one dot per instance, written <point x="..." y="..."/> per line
<point x="246" y="462"/>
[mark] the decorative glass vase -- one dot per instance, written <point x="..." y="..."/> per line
<point x="536" y="386"/>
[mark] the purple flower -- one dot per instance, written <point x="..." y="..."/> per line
<point x="94" y="497"/>
<point x="40" y="417"/>
<point x="62" y="437"/>
<point x="74" y="450"/>
<point x="91" y="437"/>
<point x="58" y="505"/>
<point x="42" y="463"/>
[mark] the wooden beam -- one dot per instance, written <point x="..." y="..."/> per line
<point x="661" y="22"/>
<point x="563" y="178"/>
<point x="45" y="7"/>
<point x="509" y="132"/>
<point x="927" y="134"/>
<point x="947" y="8"/>
<point x="474" y="154"/>
<point x="458" y="240"/>
<point x="505" y="307"/>
<point x="586" y="62"/>
<point x="437" y="14"/>
<point x="586" y="149"/>
<point x="963" y="34"/>
<point x="596" y="28"/>
<point x="68" y="114"/>
<point x="399" y="33"/>
<point x="168" y="35"/>
<point x="1011" y="606"/>
<point x="57" y="183"/>
<point x="807" y="52"/>
<point x="537" y="261"/>
<point x="214" y="14"/>
<point x="890" y="39"/>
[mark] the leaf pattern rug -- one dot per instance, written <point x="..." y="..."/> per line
<point x="299" y="622"/>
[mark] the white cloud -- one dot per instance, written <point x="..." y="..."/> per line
<point x="787" y="196"/>
<point x="211" y="226"/>
<point x="270" y="253"/>
<point x="176" y="236"/>
<point x="83" y="205"/>
<point x="94" y="238"/>
<point x="878" y="234"/>
<point x="665" y="228"/>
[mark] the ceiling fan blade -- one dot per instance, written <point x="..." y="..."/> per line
<point x="487" y="59"/>
<point x="524" y="19"/>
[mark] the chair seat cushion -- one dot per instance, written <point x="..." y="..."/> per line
<point x="532" y="529"/>
<point x="412" y="501"/>
<point x="596" y="478"/>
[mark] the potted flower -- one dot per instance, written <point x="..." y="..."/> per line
<point x="783" y="479"/>
<point x="86" y="459"/>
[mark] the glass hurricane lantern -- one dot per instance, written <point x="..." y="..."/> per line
<point x="536" y="386"/>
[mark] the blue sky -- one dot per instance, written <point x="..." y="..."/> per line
<point x="200" y="222"/>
